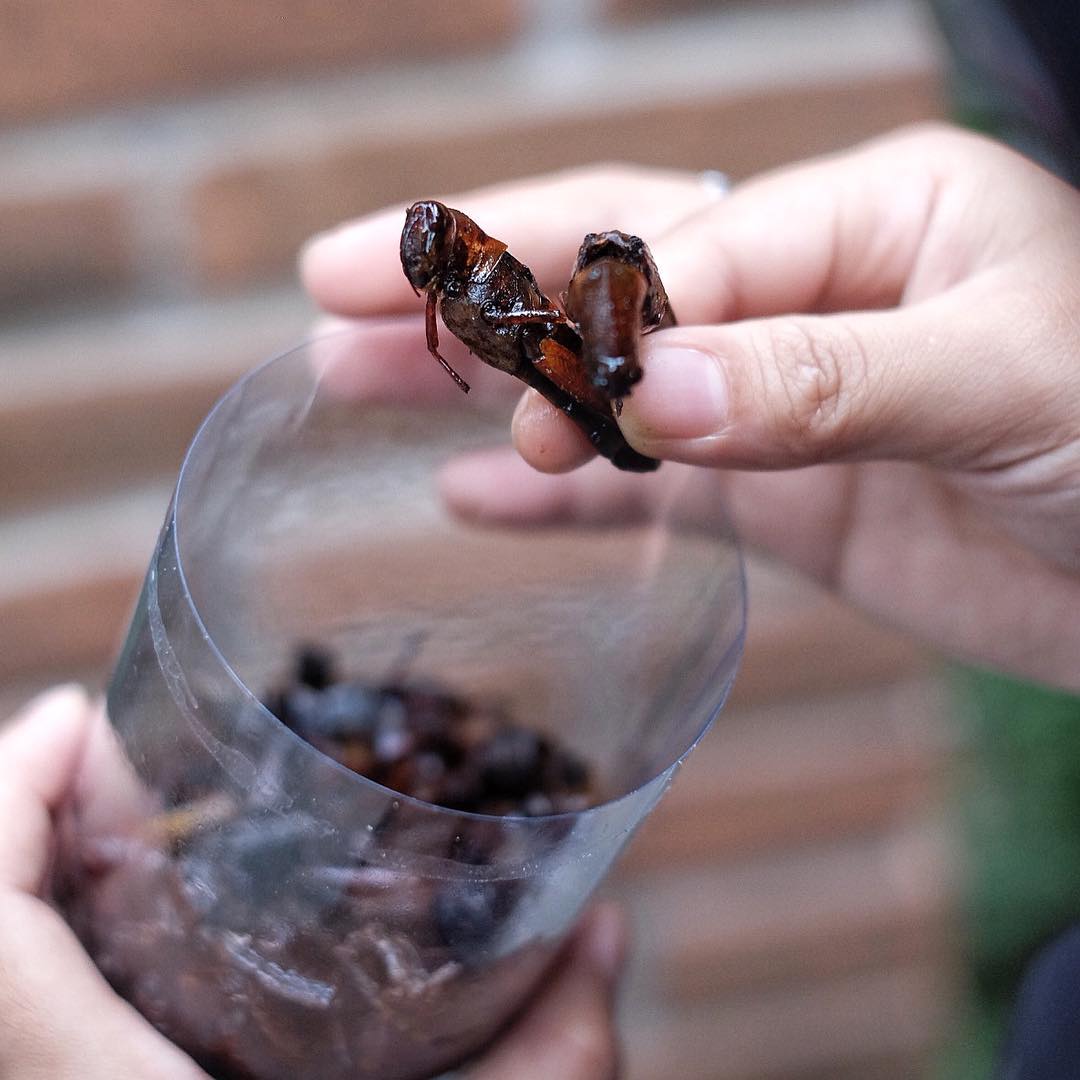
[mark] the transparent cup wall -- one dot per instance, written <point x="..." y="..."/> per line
<point x="277" y="915"/>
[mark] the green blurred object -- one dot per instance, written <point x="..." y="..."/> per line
<point x="1019" y="805"/>
<point x="1019" y="791"/>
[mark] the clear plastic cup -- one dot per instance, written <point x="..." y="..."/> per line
<point x="279" y="916"/>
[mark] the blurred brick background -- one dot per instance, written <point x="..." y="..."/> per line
<point x="160" y="164"/>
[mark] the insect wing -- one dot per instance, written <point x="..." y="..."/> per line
<point x="564" y="368"/>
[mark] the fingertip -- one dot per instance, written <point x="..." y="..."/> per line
<point x="545" y="438"/>
<point x="38" y="762"/>
<point x="48" y="734"/>
<point x="496" y="487"/>
<point x="321" y="262"/>
<point x="334" y="248"/>
<point x="469" y="484"/>
<point x="354" y="269"/>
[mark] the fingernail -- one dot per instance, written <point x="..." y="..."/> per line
<point x="606" y="943"/>
<point x="683" y="395"/>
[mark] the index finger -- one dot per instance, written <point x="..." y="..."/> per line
<point x="356" y="269"/>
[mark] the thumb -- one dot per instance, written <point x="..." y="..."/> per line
<point x="938" y="382"/>
<point x="59" y="1018"/>
<point x="569" y="1031"/>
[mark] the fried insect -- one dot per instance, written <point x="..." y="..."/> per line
<point x="615" y="295"/>
<point x="493" y="304"/>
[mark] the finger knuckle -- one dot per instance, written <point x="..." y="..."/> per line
<point x="949" y="148"/>
<point x="821" y="375"/>
<point x="929" y="133"/>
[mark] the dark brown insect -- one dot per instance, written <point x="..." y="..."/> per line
<point x="493" y="304"/>
<point x="615" y="295"/>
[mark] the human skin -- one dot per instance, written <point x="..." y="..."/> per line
<point x="877" y="367"/>
<point x="60" y="1019"/>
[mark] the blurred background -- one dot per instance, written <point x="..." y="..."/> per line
<point x="839" y="885"/>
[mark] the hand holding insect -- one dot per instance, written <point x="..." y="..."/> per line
<point x="875" y="370"/>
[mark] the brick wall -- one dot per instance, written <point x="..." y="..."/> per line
<point x="159" y="167"/>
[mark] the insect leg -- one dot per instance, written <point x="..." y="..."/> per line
<point x="533" y="317"/>
<point x="432" y="329"/>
